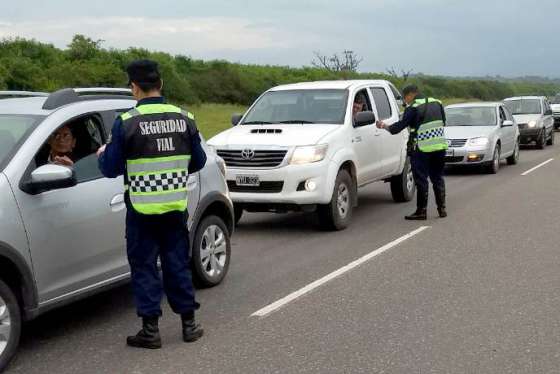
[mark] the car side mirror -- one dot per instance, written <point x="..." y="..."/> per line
<point x="235" y="119"/>
<point x="364" y="119"/>
<point x="50" y="177"/>
<point x="548" y="112"/>
<point x="507" y="123"/>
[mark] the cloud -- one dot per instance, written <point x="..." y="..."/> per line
<point x="191" y="35"/>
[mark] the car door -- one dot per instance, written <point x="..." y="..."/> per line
<point x="367" y="145"/>
<point x="507" y="133"/>
<point x="548" y="119"/>
<point x="76" y="234"/>
<point x="391" y="145"/>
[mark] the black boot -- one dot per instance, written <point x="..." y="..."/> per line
<point x="421" y="204"/>
<point x="440" y="201"/>
<point x="148" y="337"/>
<point x="419" y="215"/>
<point x="191" y="330"/>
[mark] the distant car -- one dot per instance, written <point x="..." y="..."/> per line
<point x="62" y="228"/>
<point x="534" y="118"/>
<point x="481" y="134"/>
<point x="555" y="106"/>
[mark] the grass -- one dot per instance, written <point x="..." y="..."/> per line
<point x="214" y="118"/>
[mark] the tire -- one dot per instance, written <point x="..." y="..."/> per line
<point x="402" y="185"/>
<point x="337" y="214"/>
<point x="514" y="158"/>
<point x="541" y="143"/>
<point x="10" y="325"/>
<point x="494" y="165"/>
<point x="238" y="213"/>
<point x="551" y="139"/>
<point x="211" y="252"/>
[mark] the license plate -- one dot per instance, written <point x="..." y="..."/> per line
<point x="450" y="153"/>
<point x="247" y="180"/>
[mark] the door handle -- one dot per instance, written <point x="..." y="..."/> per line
<point x="357" y="139"/>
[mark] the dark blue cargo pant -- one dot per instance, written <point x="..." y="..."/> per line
<point x="428" y="165"/>
<point x="164" y="236"/>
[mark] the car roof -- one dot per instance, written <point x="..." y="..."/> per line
<point x="474" y="105"/>
<point x="332" y="85"/>
<point x="24" y="105"/>
<point x="524" y="97"/>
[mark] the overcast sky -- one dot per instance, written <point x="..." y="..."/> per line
<point x="444" y="37"/>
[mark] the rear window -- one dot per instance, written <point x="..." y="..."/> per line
<point x="13" y="131"/>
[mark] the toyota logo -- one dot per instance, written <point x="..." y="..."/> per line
<point x="248" y="154"/>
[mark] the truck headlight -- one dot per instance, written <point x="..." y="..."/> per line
<point x="478" y="141"/>
<point x="308" y="154"/>
<point x="221" y="165"/>
<point x="532" y="124"/>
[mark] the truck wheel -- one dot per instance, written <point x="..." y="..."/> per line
<point x="238" y="213"/>
<point x="336" y="215"/>
<point x="551" y="139"/>
<point x="541" y="143"/>
<point x="10" y="325"/>
<point x="402" y="185"/>
<point x="211" y="252"/>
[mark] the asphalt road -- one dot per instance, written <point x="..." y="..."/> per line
<point x="477" y="292"/>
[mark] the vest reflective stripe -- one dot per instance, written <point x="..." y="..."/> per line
<point x="156" y="185"/>
<point x="430" y="136"/>
<point x="159" y="164"/>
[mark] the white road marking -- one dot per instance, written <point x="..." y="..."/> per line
<point x="538" y="166"/>
<point x="310" y="287"/>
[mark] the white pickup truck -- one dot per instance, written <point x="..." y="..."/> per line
<point x="302" y="147"/>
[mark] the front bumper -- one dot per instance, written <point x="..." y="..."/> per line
<point x="527" y="136"/>
<point x="468" y="155"/>
<point x="284" y="185"/>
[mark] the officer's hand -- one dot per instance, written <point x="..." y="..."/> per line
<point x="101" y="150"/>
<point x="380" y="124"/>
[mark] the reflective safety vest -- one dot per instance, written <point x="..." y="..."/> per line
<point x="157" y="152"/>
<point x="429" y="137"/>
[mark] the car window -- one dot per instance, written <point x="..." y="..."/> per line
<point x="509" y="117"/>
<point x="74" y="144"/>
<point x="382" y="103"/>
<point x="503" y="116"/>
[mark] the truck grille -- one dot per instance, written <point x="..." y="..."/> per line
<point x="253" y="159"/>
<point x="457" y="143"/>
<point x="264" y="187"/>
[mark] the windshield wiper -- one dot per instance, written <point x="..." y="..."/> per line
<point x="257" y="123"/>
<point x="297" y="121"/>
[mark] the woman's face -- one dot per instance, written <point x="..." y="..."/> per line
<point x="62" y="140"/>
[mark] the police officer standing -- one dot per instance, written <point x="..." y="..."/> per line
<point x="156" y="145"/>
<point x="425" y="119"/>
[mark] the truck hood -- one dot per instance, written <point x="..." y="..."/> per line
<point x="525" y="118"/>
<point x="273" y="135"/>
<point x="468" y="132"/>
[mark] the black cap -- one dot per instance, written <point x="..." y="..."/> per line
<point x="143" y="71"/>
<point x="410" y="89"/>
<point x="360" y="99"/>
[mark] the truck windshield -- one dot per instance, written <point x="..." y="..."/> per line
<point x="299" y="107"/>
<point x="471" y="116"/>
<point x="555" y="100"/>
<point x="524" y="106"/>
<point x="13" y="131"/>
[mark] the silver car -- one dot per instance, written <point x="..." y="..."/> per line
<point x="534" y="117"/>
<point x="481" y="134"/>
<point x="62" y="228"/>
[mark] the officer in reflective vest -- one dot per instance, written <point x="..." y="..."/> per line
<point x="425" y="120"/>
<point x="156" y="145"/>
